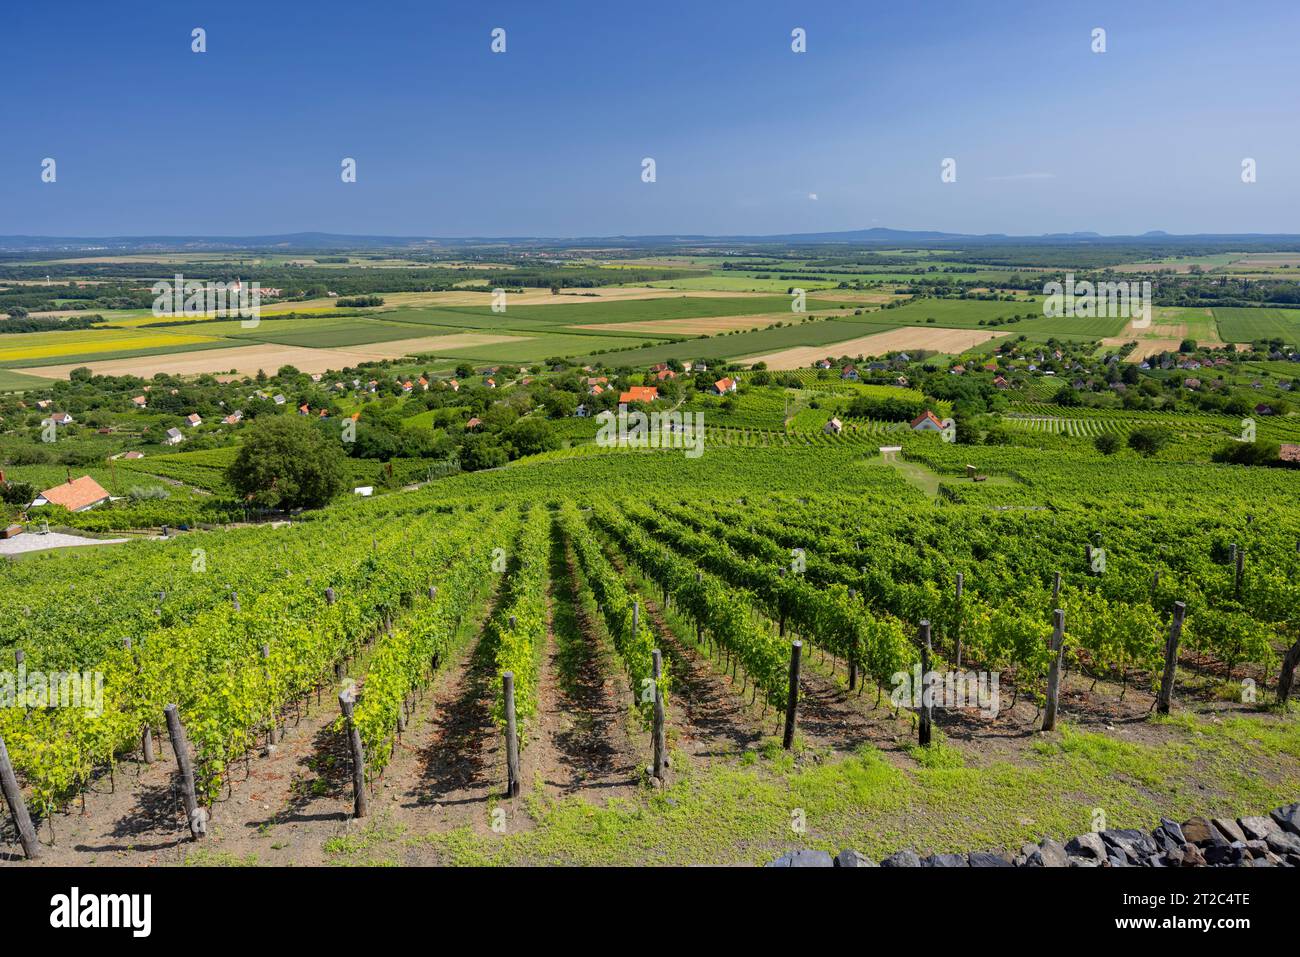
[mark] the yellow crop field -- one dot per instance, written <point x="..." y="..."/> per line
<point x="43" y="345"/>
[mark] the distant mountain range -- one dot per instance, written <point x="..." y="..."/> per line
<point x="313" y="241"/>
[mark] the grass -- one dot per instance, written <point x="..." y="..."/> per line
<point x="19" y="382"/>
<point x="1250" y="324"/>
<point x="741" y="812"/>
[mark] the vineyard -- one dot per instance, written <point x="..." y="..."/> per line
<point x="597" y="630"/>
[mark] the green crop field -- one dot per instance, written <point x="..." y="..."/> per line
<point x="1251" y="324"/>
<point x="11" y="381"/>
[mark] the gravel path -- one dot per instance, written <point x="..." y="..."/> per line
<point x="31" y="542"/>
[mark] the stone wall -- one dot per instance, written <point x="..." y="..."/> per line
<point x="1271" y="840"/>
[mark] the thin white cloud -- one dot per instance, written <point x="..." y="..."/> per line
<point x="1022" y="176"/>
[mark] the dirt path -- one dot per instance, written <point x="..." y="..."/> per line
<point x="581" y="734"/>
<point x="275" y="802"/>
<point x="452" y="765"/>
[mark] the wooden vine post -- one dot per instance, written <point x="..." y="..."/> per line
<point x="956" y="620"/>
<point x="1287" y="677"/>
<point x="512" y="736"/>
<point x="273" y="726"/>
<point x="924" y="725"/>
<point x="19" y="657"/>
<point x="1054" y="671"/>
<point x="660" y="738"/>
<point x="792" y="702"/>
<point x="1239" y="572"/>
<point x="1166" y="696"/>
<point x="347" y="698"/>
<point x="181" y="748"/>
<point x="853" y="653"/>
<point x="146" y="736"/>
<point x="17" y="806"/>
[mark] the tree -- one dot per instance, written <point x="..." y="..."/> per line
<point x="285" y="462"/>
<point x="530" y="436"/>
<point x="481" y="451"/>
<point x="17" y="493"/>
<point x="1148" y="440"/>
<point x="1260" y="452"/>
<point x="1066" y="396"/>
<point x="1107" y="443"/>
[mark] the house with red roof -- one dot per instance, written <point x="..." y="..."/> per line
<point x="926" y="422"/>
<point x="638" y="393"/>
<point x="76" y="496"/>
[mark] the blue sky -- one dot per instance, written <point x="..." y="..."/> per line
<point x="547" y="139"/>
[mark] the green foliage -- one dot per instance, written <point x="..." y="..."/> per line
<point x="1259" y="452"/>
<point x="1108" y="443"/>
<point x="1148" y="440"/>
<point x="286" y="463"/>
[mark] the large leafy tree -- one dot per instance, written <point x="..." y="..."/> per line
<point x="285" y="462"/>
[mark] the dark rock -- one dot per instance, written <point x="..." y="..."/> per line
<point x="1200" y="831"/>
<point x="987" y="859"/>
<point x="1283" y="843"/>
<point x="1173" y="858"/>
<point x="1117" y="858"/>
<point x="803" y="858"/>
<point x="1257" y="848"/>
<point x="945" y="860"/>
<point x="1192" y="856"/>
<point x="1166" y="842"/>
<point x="1174" y="830"/>
<point x="851" y="858"/>
<point x="902" y="859"/>
<point x="1258" y="828"/>
<point x="1228" y="828"/>
<point x="1049" y="853"/>
<point x="1135" y="844"/>
<point x="1225" y="855"/>
<point x="1288" y="817"/>
<point x="1087" y="845"/>
<point x="1084" y="862"/>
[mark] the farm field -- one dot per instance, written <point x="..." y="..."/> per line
<point x="906" y="337"/>
<point x="1251" y="324"/>
<point x="247" y="360"/>
<point x="565" y="325"/>
<point x="42" y="347"/>
<point x="695" y="327"/>
<point x="11" y="381"/>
